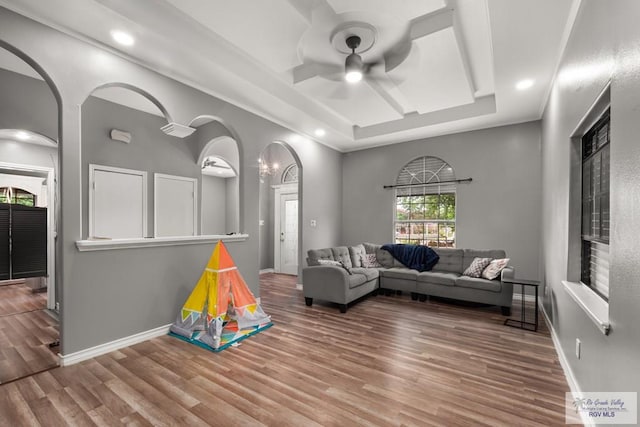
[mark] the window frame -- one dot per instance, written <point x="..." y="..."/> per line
<point x="430" y="187"/>
<point x="590" y="239"/>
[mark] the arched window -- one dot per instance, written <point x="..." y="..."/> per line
<point x="290" y="174"/>
<point x="425" y="203"/>
<point x="17" y="196"/>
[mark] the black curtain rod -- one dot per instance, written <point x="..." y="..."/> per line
<point x="457" y="181"/>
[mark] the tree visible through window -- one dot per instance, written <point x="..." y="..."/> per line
<point x="425" y="211"/>
<point x="17" y="196"/>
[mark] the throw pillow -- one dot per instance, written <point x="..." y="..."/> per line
<point x="370" y="261"/>
<point x="477" y="267"/>
<point x="494" y="268"/>
<point x="329" y="262"/>
<point x="334" y="263"/>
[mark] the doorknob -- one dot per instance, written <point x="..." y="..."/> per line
<point x="282" y="236"/>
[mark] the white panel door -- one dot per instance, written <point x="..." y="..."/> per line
<point x="118" y="203"/>
<point x="289" y="234"/>
<point x="175" y="205"/>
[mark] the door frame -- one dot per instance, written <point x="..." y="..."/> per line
<point x="51" y="222"/>
<point x="279" y="191"/>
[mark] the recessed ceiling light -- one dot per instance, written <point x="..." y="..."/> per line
<point x="524" y="84"/>
<point x="320" y="132"/>
<point x="22" y="135"/>
<point x="122" y="38"/>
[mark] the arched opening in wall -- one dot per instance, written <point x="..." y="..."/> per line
<point x="280" y="209"/>
<point x="138" y="179"/>
<point x="29" y="213"/>
<point x="220" y="208"/>
<point x="425" y="203"/>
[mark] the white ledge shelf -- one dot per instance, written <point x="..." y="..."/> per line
<point x="111" y="244"/>
<point x="596" y="308"/>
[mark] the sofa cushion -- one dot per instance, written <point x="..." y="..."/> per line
<point x="370" y="273"/>
<point x="356" y="280"/>
<point x="385" y="258"/>
<point x="315" y="254"/>
<point x="371" y="248"/>
<point x="479" y="283"/>
<point x="450" y="260"/>
<point x="341" y="253"/>
<point x="471" y="254"/>
<point x="399" y="273"/>
<point x="357" y="253"/>
<point x="438" y="277"/>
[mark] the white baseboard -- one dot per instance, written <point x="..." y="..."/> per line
<point x="568" y="373"/>
<point x="82" y="355"/>
<point x="267" y="270"/>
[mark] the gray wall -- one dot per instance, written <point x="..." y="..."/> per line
<point x="232" y="220"/>
<point x="28" y="154"/>
<point x="214" y="196"/>
<point x="150" y="149"/>
<point x="27" y="103"/>
<point x="113" y="294"/>
<point x="603" y="47"/>
<point x="500" y="209"/>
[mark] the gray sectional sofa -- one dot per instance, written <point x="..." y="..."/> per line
<point x="349" y="281"/>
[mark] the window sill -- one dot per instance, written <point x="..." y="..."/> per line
<point x="596" y="308"/>
<point x="111" y="244"/>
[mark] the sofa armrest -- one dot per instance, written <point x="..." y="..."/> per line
<point x="325" y="282"/>
<point x="507" y="273"/>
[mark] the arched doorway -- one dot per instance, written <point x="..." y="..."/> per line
<point x="280" y="209"/>
<point x="29" y="212"/>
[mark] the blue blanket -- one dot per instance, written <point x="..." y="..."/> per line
<point x="421" y="258"/>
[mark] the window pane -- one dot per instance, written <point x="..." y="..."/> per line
<point x="604" y="215"/>
<point x="586" y="180"/>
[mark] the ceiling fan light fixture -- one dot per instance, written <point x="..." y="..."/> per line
<point x="353" y="68"/>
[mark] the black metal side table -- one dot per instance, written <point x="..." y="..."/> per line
<point x="522" y="323"/>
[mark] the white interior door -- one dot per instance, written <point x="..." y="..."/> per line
<point x="287" y="240"/>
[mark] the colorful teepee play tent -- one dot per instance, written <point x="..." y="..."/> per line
<point x="221" y="309"/>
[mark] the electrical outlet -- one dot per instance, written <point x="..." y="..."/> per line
<point x="57" y="306"/>
<point x="578" y="348"/>
<point x="261" y="223"/>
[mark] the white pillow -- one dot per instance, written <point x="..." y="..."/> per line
<point x="329" y="262"/>
<point x="494" y="268"/>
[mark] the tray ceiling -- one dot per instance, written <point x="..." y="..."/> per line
<point x="439" y="66"/>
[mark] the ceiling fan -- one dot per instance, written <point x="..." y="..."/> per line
<point x="212" y="163"/>
<point x="354" y="67"/>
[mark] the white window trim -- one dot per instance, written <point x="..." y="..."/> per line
<point x="596" y="307"/>
<point x="157" y="176"/>
<point x="143" y="174"/>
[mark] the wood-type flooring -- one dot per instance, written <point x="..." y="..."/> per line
<point x="26" y="330"/>
<point x="387" y="361"/>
